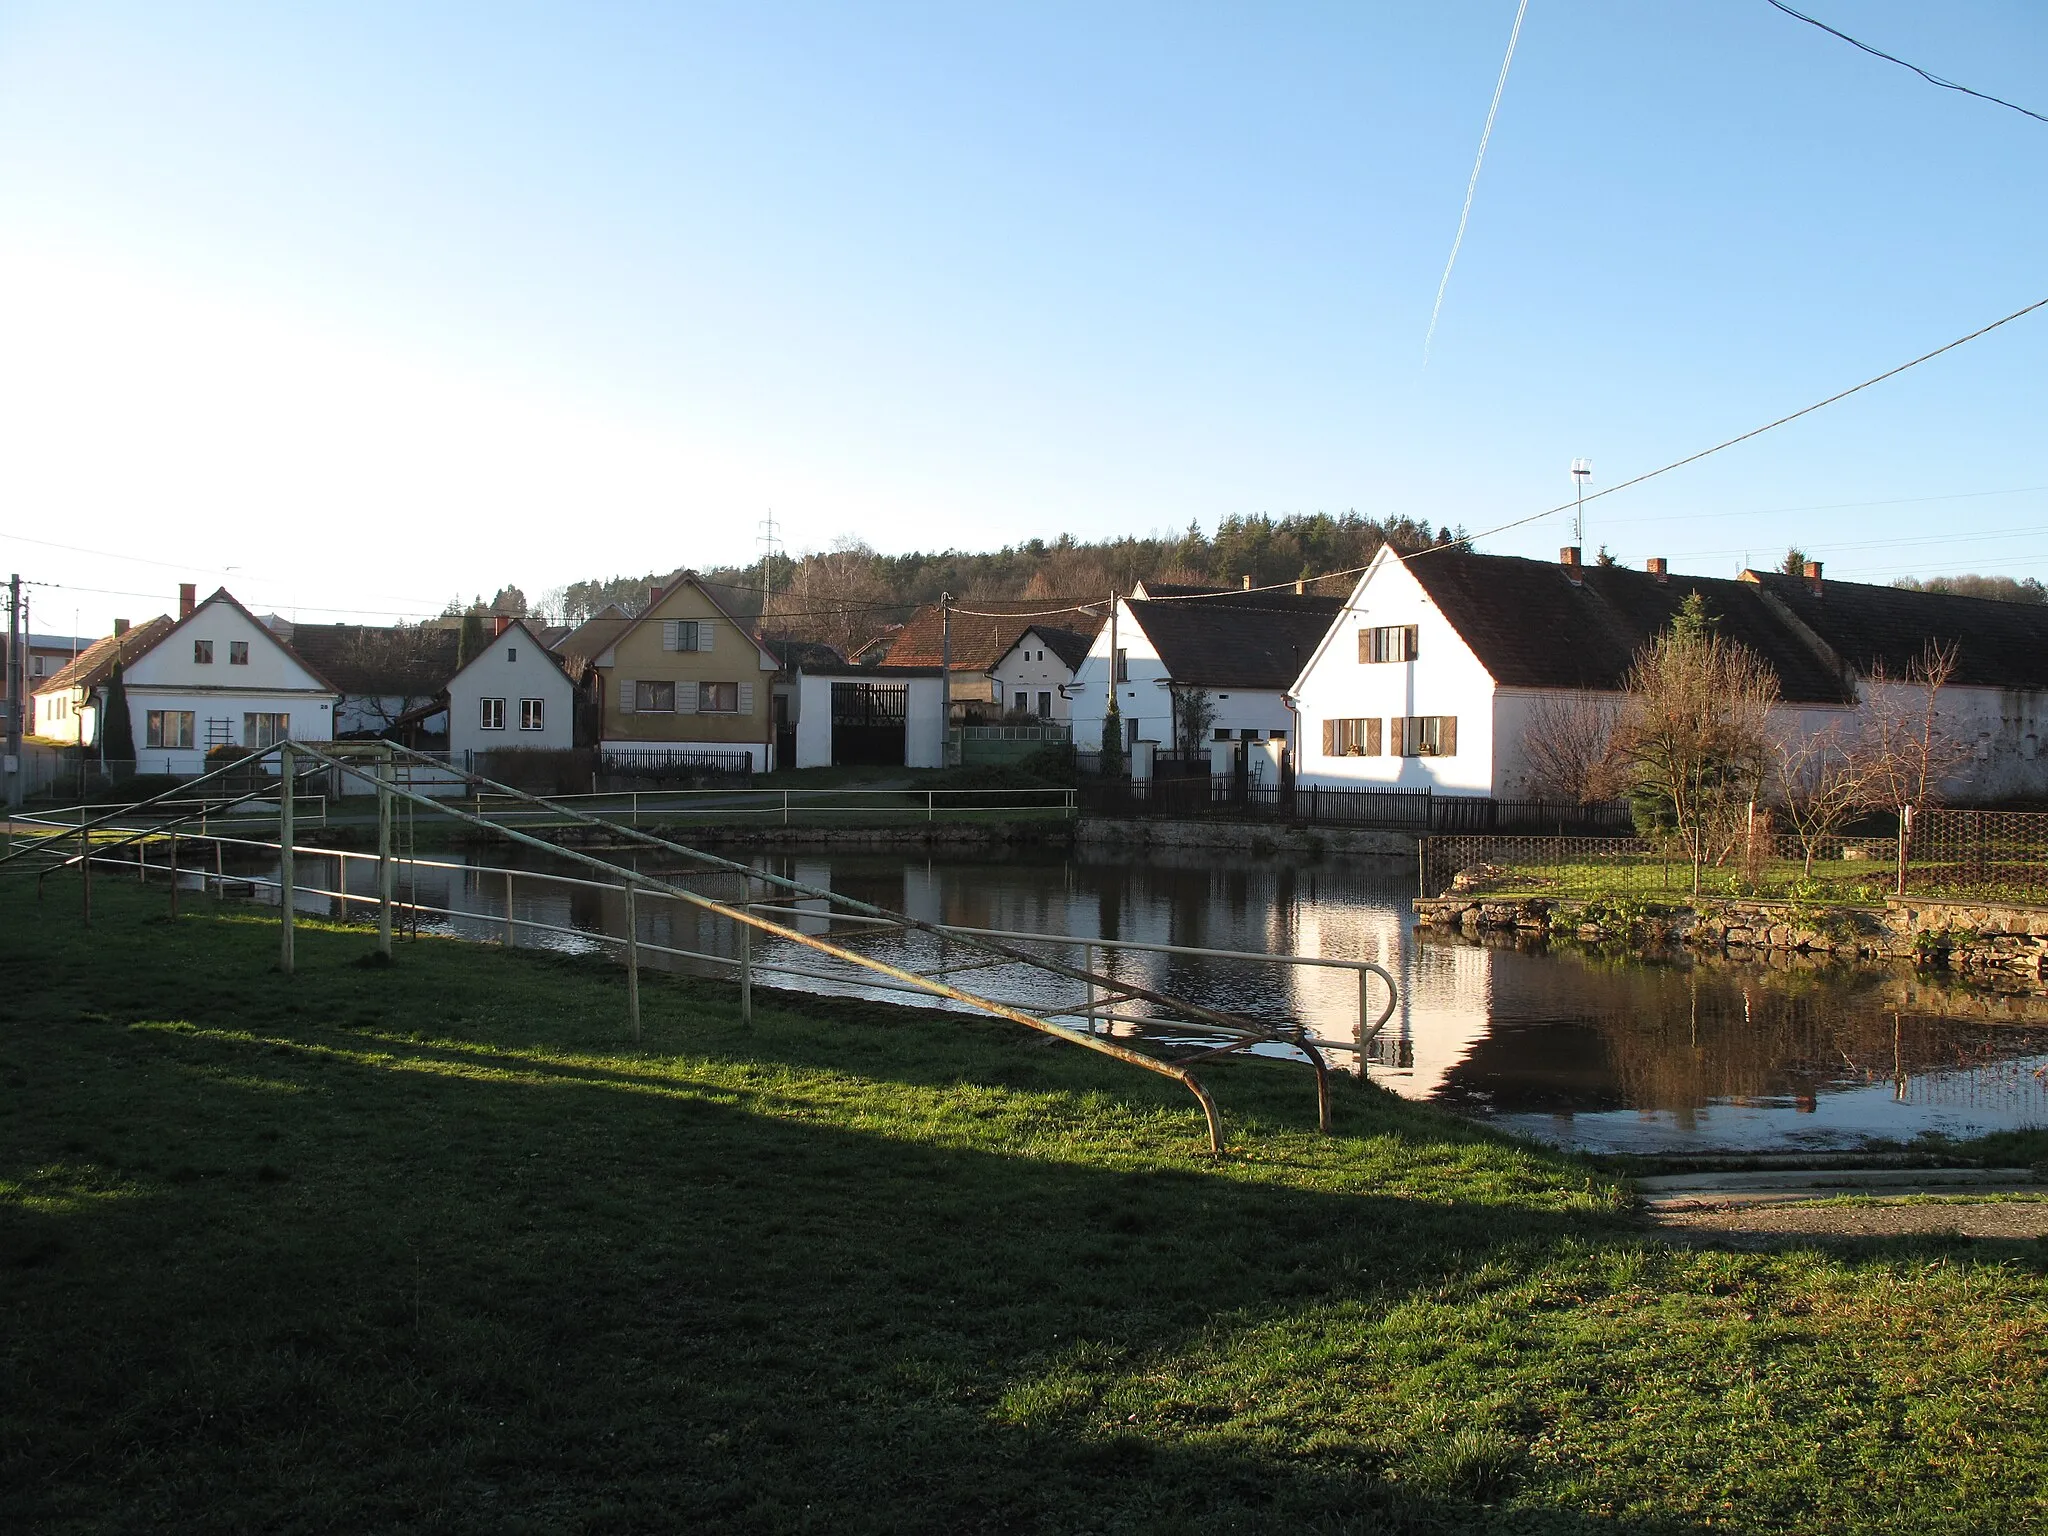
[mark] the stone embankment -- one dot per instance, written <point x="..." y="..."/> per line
<point x="1980" y="939"/>
<point x="1249" y="837"/>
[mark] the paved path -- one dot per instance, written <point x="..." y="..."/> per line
<point x="1777" y="1207"/>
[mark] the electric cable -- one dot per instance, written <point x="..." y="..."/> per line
<point x="1879" y="53"/>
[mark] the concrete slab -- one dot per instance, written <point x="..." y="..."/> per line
<point x="1779" y="1185"/>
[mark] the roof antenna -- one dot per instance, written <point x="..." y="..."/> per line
<point x="1581" y="470"/>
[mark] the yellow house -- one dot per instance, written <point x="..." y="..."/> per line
<point x="685" y="679"/>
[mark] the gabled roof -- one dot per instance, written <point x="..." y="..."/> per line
<point x="1069" y="645"/>
<point x="568" y="668"/>
<point x="95" y="664"/>
<point x="223" y="595"/>
<point x="373" y="660"/>
<point x="589" y="640"/>
<point x="667" y="589"/>
<point x="1998" y="644"/>
<point x="1531" y="627"/>
<point x="984" y="629"/>
<point x="1218" y="644"/>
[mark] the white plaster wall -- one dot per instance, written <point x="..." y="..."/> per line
<point x="1145" y="698"/>
<point x="2001" y="726"/>
<point x="513" y="667"/>
<point x="924" y="736"/>
<point x="814" y="722"/>
<point x="270" y="667"/>
<point x="312" y="719"/>
<point x="1021" y="671"/>
<point x="1444" y="679"/>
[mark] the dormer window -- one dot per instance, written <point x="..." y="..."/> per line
<point x="202" y="653"/>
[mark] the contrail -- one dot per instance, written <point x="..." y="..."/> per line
<point x="1472" y="186"/>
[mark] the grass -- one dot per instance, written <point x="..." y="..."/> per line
<point x="432" y="1247"/>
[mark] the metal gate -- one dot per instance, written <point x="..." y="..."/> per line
<point x="868" y="721"/>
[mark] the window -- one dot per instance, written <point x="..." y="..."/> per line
<point x="259" y="731"/>
<point x="531" y="714"/>
<point x="1425" y="736"/>
<point x="1276" y="735"/>
<point x="1351" y="738"/>
<point x="1247" y="735"/>
<point x="170" y="728"/>
<point x="1390" y="642"/>
<point x="1045" y="706"/>
<point x="238" y="653"/>
<point x="511" y="653"/>
<point x="718" y="698"/>
<point x="202" y="652"/>
<point x="491" y="714"/>
<point x="655" y="698"/>
<point x="686" y="634"/>
<point x="1123" y="665"/>
<point x="1222" y="734"/>
<point x="1131" y="727"/>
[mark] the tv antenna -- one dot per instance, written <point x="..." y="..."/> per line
<point x="1582" y="470"/>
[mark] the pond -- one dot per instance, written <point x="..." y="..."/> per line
<point x="1582" y="1051"/>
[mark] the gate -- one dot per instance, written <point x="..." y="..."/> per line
<point x="868" y="721"/>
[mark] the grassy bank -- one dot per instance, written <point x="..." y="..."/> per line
<point x="433" y="1248"/>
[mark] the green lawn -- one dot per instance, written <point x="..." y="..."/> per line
<point x="433" y="1248"/>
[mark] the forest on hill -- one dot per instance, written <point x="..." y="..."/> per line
<point x="846" y="595"/>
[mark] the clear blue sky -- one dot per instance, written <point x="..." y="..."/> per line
<point x="369" y="304"/>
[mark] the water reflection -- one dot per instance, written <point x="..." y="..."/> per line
<point x="1604" y="1055"/>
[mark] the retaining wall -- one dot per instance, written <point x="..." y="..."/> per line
<point x="1250" y="837"/>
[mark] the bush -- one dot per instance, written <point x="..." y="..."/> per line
<point x="1055" y="763"/>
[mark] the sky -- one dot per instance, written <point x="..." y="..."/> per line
<point x="357" y="308"/>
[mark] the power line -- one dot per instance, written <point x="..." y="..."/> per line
<point x="1694" y="458"/>
<point x="1879" y="53"/>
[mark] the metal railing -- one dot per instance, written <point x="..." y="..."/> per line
<point x="1402" y="810"/>
<point x="1228" y="1032"/>
<point x="782" y="807"/>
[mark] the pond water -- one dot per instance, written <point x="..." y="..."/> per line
<point x="1603" y="1055"/>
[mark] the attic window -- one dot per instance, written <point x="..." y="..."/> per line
<point x="1390" y="642"/>
<point x="238" y="653"/>
<point x="202" y="652"/>
<point x="511" y="653"/>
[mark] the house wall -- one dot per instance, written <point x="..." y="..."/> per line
<point x="67" y="715"/>
<point x="1032" y="667"/>
<point x="1445" y="678"/>
<point x="1144" y="697"/>
<point x="638" y="656"/>
<point x="272" y="682"/>
<point x="2001" y="726"/>
<point x="513" y="667"/>
<point x="924" y="743"/>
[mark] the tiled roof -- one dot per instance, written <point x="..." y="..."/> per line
<point x="1532" y="628"/>
<point x="1218" y="644"/>
<point x="1998" y="644"/>
<point x="372" y="660"/>
<point x="984" y="629"/>
<point x="1071" y="646"/>
<point x="95" y="664"/>
<point x="588" y="640"/>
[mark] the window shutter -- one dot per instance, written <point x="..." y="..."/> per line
<point x="671" y="635"/>
<point x="1394" y="730"/>
<point x="1365" y="645"/>
<point x="706" y="633"/>
<point x="746" y="698"/>
<point x="686" y="698"/>
<point x="1329" y="738"/>
<point x="1449" y="736"/>
<point x="1372" y="737"/>
<point x="627" y="702"/>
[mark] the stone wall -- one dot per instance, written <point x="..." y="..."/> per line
<point x="1252" y="837"/>
<point x="1991" y="942"/>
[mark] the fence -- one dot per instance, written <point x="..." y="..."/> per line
<point x="1964" y="855"/>
<point x="1404" y="810"/>
<point x="787" y="807"/>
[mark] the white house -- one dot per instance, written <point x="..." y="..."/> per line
<point x="1034" y="676"/>
<point x="65" y="705"/>
<point x="1434" y="672"/>
<point x="512" y="693"/>
<point x="1239" y="653"/>
<point x="215" y="677"/>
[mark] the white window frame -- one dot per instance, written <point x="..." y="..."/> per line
<point x="533" y="714"/>
<point x="490" y="714"/>
<point x="153" y="729"/>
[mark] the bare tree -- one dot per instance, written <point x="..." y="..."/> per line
<point x="1693" y="736"/>
<point x="1910" y="753"/>
<point x="1819" y="779"/>
<point x="1568" y="743"/>
<point x="840" y="597"/>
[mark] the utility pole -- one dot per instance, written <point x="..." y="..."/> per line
<point x="945" y="679"/>
<point x="15" y="683"/>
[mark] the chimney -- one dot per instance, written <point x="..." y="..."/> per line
<point x="1247" y="582"/>
<point x="1660" y="569"/>
<point x="120" y="627"/>
<point x="188" y="599"/>
<point x="653" y="596"/>
<point x="1300" y="587"/>
<point x="502" y="622"/>
<point x="1568" y="557"/>
<point x="1813" y="577"/>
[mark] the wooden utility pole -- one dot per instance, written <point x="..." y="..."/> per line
<point x="16" y="691"/>
<point x="286" y="766"/>
<point x="945" y="681"/>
